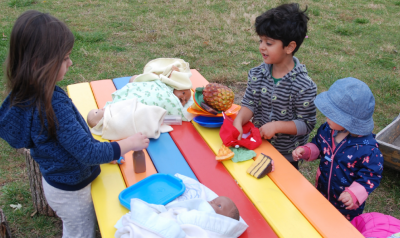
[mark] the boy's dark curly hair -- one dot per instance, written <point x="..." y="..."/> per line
<point x="285" y="23"/>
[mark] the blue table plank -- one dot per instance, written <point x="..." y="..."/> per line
<point x="121" y="82"/>
<point x="167" y="158"/>
<point x="163" y="152"/>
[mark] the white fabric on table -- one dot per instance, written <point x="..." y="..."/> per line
<point x="161" y="69"/>
<point x="126" y="118"/>
<point x="188" y="216"/>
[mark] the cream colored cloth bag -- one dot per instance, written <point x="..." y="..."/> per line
<point x="162" y="69"/>
<point x="126" y="118"/>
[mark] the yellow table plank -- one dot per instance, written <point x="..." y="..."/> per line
<point x="105" y="190"/>
<point x="107" y="186"/>
<point x="276" y="208"/>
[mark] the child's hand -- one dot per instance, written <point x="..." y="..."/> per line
<point x="347" y="200"/>
<point x="267" y="131"/>
<point x="173" y="68"/>
<point x="135" y="142"/>
<point x="238" y="126"/>
<point x="298" y="153"/>
<point x="120" y="161"/>
<point x="273" y="166"/>
<point x="132" y="78"/>
<point x="139" y="141"/>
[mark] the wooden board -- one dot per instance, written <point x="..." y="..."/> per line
<point x="121" y="82"/>
<point x="105" y="190"/>
<point x="197" y="79"/>
<point x="128" y="171"/>
<point x="167" y="158"/>
<point x="102" y="90"/>
<point x="389" y="144"/>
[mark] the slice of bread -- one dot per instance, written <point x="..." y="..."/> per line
<point x="224" y="153"/>
<point x="261" y="166"/>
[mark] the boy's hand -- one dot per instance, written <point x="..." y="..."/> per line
<point x="298" y="153"/>
<point x="238" y="126"/>
<point x="347" y="200"/>
<point x="267" y="131"/>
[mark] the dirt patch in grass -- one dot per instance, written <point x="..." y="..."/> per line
<point x="239" y="89"/>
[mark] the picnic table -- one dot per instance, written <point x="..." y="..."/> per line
<point x="282" y="204"/>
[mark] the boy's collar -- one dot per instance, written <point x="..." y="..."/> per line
<point x="299" y="68"/>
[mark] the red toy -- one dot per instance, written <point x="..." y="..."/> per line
<point x="251" y="137"/>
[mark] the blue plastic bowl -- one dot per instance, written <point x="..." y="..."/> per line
<point x="212" y="122"/>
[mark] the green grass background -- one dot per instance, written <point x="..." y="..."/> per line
<point x="358" y="38"/>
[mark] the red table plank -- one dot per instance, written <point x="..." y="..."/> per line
<point x="214" y="175"/>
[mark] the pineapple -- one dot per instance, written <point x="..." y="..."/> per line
<point x="218" y="96"/>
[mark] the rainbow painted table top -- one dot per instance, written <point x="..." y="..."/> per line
<point x="282" y="204"/>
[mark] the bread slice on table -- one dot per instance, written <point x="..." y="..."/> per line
<point x="224" y="153"/>
<point x="261" y="166"/>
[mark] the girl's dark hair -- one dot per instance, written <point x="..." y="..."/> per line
<point x="285" y="23"/>
<point x="38" y="44"/>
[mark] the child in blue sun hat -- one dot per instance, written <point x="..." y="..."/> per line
<point x="351" y="163"/>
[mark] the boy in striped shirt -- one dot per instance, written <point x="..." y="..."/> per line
<point x="280" y="95"/>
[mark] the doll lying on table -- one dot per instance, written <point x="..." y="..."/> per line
<point x="165" y="82"/>
<point x="125" y="118"/>
<point x="187" y="216"/>
<point x="163" y="89"/>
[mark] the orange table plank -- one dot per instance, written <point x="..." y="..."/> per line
<point x="128" y="171"/>
<point x="102" y="90"/>
<point x="197" y="79"/>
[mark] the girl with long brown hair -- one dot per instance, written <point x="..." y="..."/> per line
<point x="39" y="115"/>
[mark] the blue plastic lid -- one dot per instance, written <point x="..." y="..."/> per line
<point x="209" y="121"/>
<point x="157" y="189"/>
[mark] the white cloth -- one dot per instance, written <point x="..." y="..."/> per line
<point x="126" y="118"/>
<point x="188" y="216"/>
<point x="161" y="69"/>
<point x="191" y="218"/>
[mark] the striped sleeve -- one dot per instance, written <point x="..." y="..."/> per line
<point x="251" y="92"/>
<point x="305" y="109"/>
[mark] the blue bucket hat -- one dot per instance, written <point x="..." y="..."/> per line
<point x="349" y="103"/>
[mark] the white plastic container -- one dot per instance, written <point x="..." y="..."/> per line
<point x="173" y="120"/>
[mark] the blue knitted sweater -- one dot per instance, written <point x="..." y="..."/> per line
<point x="69" y="162"/>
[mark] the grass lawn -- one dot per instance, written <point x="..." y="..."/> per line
<point x="358" y="38"/>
